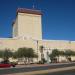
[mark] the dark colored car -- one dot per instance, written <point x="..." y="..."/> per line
<point x="6" y="64"/>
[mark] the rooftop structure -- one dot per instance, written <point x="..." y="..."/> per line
<point x="29" y="11"/>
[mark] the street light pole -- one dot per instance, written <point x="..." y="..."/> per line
<point x="37" y="48"/>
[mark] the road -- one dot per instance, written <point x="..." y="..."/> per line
<point x="68" y="72"/>
<point x="34" y="68"/>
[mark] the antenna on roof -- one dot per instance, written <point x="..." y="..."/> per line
<point x="33" y="4"/>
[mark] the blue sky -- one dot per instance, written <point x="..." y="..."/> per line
<point x="58" y="21"/>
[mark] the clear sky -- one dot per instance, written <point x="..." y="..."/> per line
<point x="58" y="21"/>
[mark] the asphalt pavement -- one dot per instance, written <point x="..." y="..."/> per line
<point x="68" y="72"/>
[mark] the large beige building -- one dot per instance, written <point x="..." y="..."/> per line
<point x="27" y="32"/>
<point x="28" y="24"/>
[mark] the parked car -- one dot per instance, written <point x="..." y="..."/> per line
<point x="6" y="64"/>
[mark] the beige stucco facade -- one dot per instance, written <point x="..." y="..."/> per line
<point x="49" y="45"/>
<point x="27" y="26"/>
<point x="27" y="32"/>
